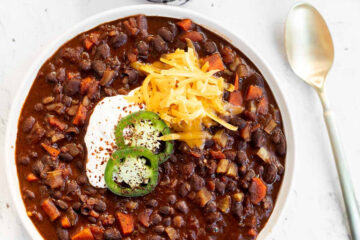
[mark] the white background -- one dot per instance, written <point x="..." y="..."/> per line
<point x="315" y="209"/>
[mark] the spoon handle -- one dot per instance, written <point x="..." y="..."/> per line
<point x="342" y="169"/>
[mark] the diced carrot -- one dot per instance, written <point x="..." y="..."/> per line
<point x="195" y="154"/>
<point x="217" y="154"/>
<point x="236" y="82"/>
<point x="57" y="123"/>
<point x="65" y="222"/>
<point x="263" y="106"/>
<point x="236" y="98"/>
<point x="211" y="185"/>
<point x="31" y="177"/>
<point x="85" y="84"/>
<point x="132" y="57"/>
<point x="252" y="232"/>
<point x="185" y="24"/>
<point x="52" y="151"/>
<point x="257" y="190"/>
<point x="192" y="35"/>
<point x="84" y="234"/>
<point x="126" y="222"/>
<point x="254" y="128"/>
<point x="88" y="43"/>
<point x="50" y="209"/>
<point x="80" y="115"/>
<point x="94" y="214"/>
<point x="254" y="92"/>
<point x="245" y="132"/>
<point x="215" y="62"/>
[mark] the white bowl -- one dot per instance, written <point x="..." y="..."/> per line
<point x="150" y="10"/>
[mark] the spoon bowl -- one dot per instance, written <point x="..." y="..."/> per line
<point x="309" y="45"/>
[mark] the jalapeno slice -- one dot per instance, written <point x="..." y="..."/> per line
<point x="144" y="129"/>
<point x="132" y="172"/>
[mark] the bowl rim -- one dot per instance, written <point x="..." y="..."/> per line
<point x="149" y="10"/>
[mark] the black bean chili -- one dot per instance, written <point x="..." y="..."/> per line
<point x="225" y="191"/>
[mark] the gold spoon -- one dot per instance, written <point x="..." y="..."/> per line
<point x="310" y="52"/>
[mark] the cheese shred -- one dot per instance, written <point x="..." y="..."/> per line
<point x="185" y="94"/>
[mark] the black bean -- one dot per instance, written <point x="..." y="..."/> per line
<point x="85" y="209"/>
<point x="188" y="169"/>
<point x="171" y="199"/>
<point x="37" y="167"/>
<point x="143" y="48"/>
<point x="237" y="209"/>
<point x="72" y="187"/>
<point x="72" y="86"/>
<point x="231" y="186"/>
<point x="132" y="74"/>
<point x="258" y="138"/>
<point x="156" y="237"/>
<point x="238" y="121"/>
<point x="61" y="74"/>
<point x="99" y="67"/>
<point x="166" y="34"/>
<point x="184" y="189"/>
<point x="242" y="157"/>
<point x="270" y="173"/>
<point x="281" y="147"/>
<point x="92" y="219"/>
<point x="182" y="206"/>
<point x="100" y="206"/>
<point x="38" y="107"/>
<point x="231" y="155"/>
<point x="210" y="207"/>
<point x="24" y="160"/>
<point x="102" y="51"/>
<point x="166" y="210"/>
<point x="82" y="179"/>
<point x="155" y="219"/>
<point x="51" y="77"/>
<point x="71" y="54"/>
<point x="159" y="229"/>
<point x="151" y="203"/>
<point x="220" y="187"/>
<point x="28" y="124"/>
<point x="142" y="23"/>
<point x="118" y="40"/>
<point x="209" y="143"/>
<point x="159" y="44"/>
<point x="66" y="157"/>
<point x="62" y="233"/>
<point x="167" y="221"/>
<point x="61" y="204"/>
<point x="28" y="194"/>
<point x="57" y="194"/>
<point x="210" y="47"/>
<point x="85" y="65"/>
<point x="76" y="206"/>
<point x="197" y="182"/>
<point x="112" y="234"/>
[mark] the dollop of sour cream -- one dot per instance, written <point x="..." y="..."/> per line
<point x="100" y="134"/>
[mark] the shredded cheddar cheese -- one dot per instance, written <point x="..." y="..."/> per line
<point x="184" y="94"/>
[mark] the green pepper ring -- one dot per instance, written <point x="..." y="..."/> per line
<point x="158" y="123"/>
<point x="115" y="160"/>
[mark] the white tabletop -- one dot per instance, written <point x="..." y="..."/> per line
<point x="315" y="208"/>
